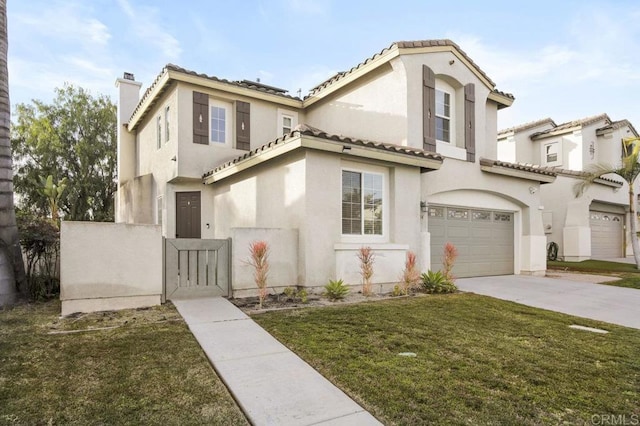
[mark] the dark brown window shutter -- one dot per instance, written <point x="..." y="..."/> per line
<point x="428" y="109"/>
<point x="200" y="118"/>
<point x="470" y="121"/>
<point x="243" y="125"/>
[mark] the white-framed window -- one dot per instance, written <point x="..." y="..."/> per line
<point x="166" y="124"/>
<point x="363" y="205"/>
<point x="219" y="122"/>
<point x="287" y="121"/>
<point x="551" y="154"/>
<point x="444" y="108"/>
<point x="158" y="132"/>
<point x="159" y="207"/>
<point x="287" y="124"/>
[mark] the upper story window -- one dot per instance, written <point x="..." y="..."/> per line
<point x="362" y="203"/>
<point x="166" y="124"/>
<point x="158" y="132"/>
<point x="551" y="154"/>
<point x="287" y="121"/>
<point x="218" y="124"/>
<point x="443" y="115"/>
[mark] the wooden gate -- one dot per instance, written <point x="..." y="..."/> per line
<point x="196" y="268"/>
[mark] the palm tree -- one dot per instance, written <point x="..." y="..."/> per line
<point x="629" y="171"/>
<point x="11" y="263"/>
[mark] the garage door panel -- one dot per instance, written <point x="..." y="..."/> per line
<point x="484" y="240"/>
<point x="606" y="234"/>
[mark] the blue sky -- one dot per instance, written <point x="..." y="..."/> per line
<point x="561" y="59"/>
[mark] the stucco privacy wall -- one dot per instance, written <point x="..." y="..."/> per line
<point x="283" y="259"/>
<point x="107" y="266"/>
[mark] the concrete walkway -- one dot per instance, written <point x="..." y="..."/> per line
<point x="271" y="384"/>
<point x="610" y="304"/>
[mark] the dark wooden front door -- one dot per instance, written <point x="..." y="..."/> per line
<point x="188" y="214"/>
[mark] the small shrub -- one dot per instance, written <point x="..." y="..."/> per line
<point x="259" y="251"/>
<point x="294" y="295"/>
<point x="335" y="290"/>
<point x="437" y="283"/>
<point x="367" y="258"/>
<point x="303" y="295"/>
<point x="450" y="255"/>
<point x="410" y="275"/>
<point x="397" y="291"/>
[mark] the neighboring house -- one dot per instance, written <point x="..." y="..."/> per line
<point x="593" y="225"/>
<point x="398" y="154"/>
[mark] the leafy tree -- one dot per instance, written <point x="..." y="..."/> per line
<point x="629" y="170"/>
<point x="11" y="263"/>
<point x="71" y="140"/>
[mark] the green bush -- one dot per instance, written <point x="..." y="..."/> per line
<point x="437" y="282"/>
<point x="335" y="290"/>
<point x="40" y="241"/>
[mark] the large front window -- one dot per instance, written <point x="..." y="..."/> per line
<point x="443" y="116"/>
<point x="362" y="195"/>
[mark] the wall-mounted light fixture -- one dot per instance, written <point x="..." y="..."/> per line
<point x="423" y="206"/>
<point x="451" y="62"/>
<point x="533" y="190"/>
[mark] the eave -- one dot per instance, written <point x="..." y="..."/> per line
<point x="346" y="149"/>
<point x="517" y="171"/>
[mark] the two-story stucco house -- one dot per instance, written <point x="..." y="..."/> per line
<point x="398" y="153"/>
<point x="593" y="225"/>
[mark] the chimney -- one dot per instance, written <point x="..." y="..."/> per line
<point x="128" y="98"/>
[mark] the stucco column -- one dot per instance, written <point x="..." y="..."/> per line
<point x="533" y="249"/>
<point x="576" y="234"/>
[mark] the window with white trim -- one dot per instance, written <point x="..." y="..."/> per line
<point x="551" y="154"/>
<point x="362" y="203"/>
<point x="158" y="132"/>
<point x="287" y="121"/>
<point x="166" y="124"/>
<point x="443" y="115"/>
<point x="159" y="206"/>
<point x="218" y="126"/>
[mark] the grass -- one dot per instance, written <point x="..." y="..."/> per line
<point x="599" y="266"/>
<point x="629" y="275"/>
<point x="147" y="369"/>
<point x="479" y="360"/>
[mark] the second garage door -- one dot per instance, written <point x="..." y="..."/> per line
<point x="606" y="234"/>
<point x="484" y="240"/>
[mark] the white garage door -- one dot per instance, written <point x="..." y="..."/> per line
<point x="606" y="234"/>
<point x="484" y="240"/>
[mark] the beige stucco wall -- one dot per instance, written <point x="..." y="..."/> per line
<point x="105" y="266"/>
<point x="283" y="259"/>
<point x="302" y="191"/>
<point x="373" y="108"/>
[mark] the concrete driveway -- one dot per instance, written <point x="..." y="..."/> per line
<point x="610" y="304"/>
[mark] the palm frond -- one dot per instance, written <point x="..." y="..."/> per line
<point x="593" y="172"/>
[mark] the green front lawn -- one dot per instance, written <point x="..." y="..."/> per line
<point x="479" y="360"/>
<point x="142" y="367"/>
<point x="598" y="266"/>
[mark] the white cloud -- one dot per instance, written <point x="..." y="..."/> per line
<point x="146" y="25"/>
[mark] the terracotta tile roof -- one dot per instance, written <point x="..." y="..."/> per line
<point x="404" y="45"/>
<point x="575" y="123"/>
<point x="245" y="83"/>
<point x="306" y="130"/>
<point x="527" y="126"/>
<point x="617" y="125"/>
<point x="532" y="168"/>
